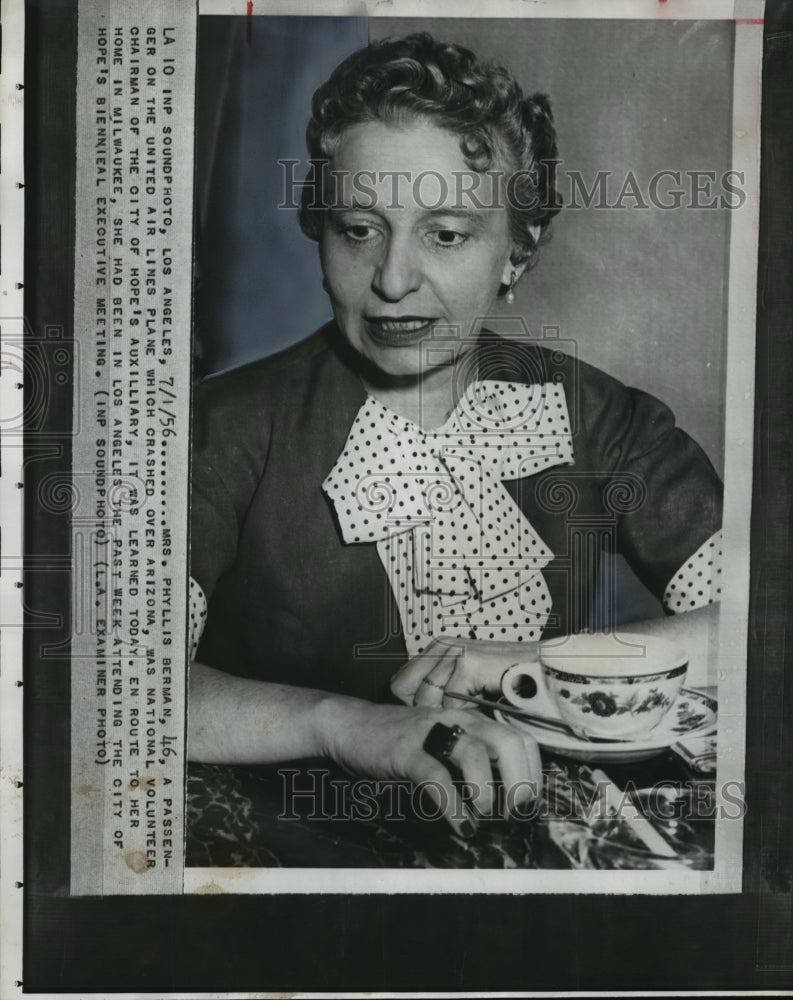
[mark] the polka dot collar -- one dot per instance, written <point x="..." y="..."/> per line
<point x="461" y="557"/>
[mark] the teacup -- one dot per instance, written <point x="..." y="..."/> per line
<point x="602" y="684"/>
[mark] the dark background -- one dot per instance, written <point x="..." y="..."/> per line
<point x="476" y="943"/>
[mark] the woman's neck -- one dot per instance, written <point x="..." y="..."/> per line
<point x="426" y="400"/>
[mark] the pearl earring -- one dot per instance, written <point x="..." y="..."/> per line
<point x="510" y="296"/>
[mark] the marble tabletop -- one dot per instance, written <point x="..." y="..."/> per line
<point x="304" y="815"/>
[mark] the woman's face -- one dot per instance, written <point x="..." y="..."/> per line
<point x="408" y="256"/>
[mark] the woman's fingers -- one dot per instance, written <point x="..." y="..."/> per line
<point x="393" y="741"/>
<point x="435" y="781"/>
<point x="408" y="682"/>
<point x="462" y="681"/>
<point x="484" y="743"/>
<point x="432" y="688"/>
<point x="472" y="758"/>
<point x="519" y="764"/>
<point x="461" y="666"/>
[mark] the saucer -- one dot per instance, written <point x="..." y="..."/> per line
<point x="693" y="714"/>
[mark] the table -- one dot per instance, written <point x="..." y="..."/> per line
<point x="304" y="814"/>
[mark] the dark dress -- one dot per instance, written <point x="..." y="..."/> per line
<point x="290" y="602"/>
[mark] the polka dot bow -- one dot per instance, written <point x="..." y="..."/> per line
<point x="461" y="557"/>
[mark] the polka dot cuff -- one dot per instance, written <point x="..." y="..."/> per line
<point x="698" y="583"/>
<point x="196" y="616"/>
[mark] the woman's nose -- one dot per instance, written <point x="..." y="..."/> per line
<point x="398" y="272"/>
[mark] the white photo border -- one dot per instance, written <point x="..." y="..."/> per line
<point x="12" y="382"/>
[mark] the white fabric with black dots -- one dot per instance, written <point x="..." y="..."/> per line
<point x="461" y="557"/>
<point x="197" y="613"/>
<point x="697" y="583"/>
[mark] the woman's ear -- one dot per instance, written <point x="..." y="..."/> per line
<point x="512" y="272"/>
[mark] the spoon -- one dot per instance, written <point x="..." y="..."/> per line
<point x="538" y="720"/>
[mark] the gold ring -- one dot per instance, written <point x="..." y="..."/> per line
<point x="426" y="680"/>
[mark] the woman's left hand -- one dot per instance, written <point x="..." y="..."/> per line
<point x="469" y="667"/>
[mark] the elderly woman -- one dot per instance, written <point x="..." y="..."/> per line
<point x="404" y="503"/>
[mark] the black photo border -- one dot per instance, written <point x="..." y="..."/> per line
<point x="195" y="944"/>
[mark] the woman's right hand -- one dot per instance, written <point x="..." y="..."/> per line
<point x="387" y="742"/>
<point x="235" y="720"/>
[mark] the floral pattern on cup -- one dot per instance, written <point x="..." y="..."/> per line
<point x="617" y="706"/>
<point x="605" y="703"/>
<point x="628" y="679"/>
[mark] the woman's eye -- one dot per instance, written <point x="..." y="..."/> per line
<point x="447" y="238"/>
<point x="361" y="233"/>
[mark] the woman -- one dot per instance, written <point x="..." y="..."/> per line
<point x="404" y="502"/>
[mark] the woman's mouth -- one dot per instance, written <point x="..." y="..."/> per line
<point x="397" y="331"/>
